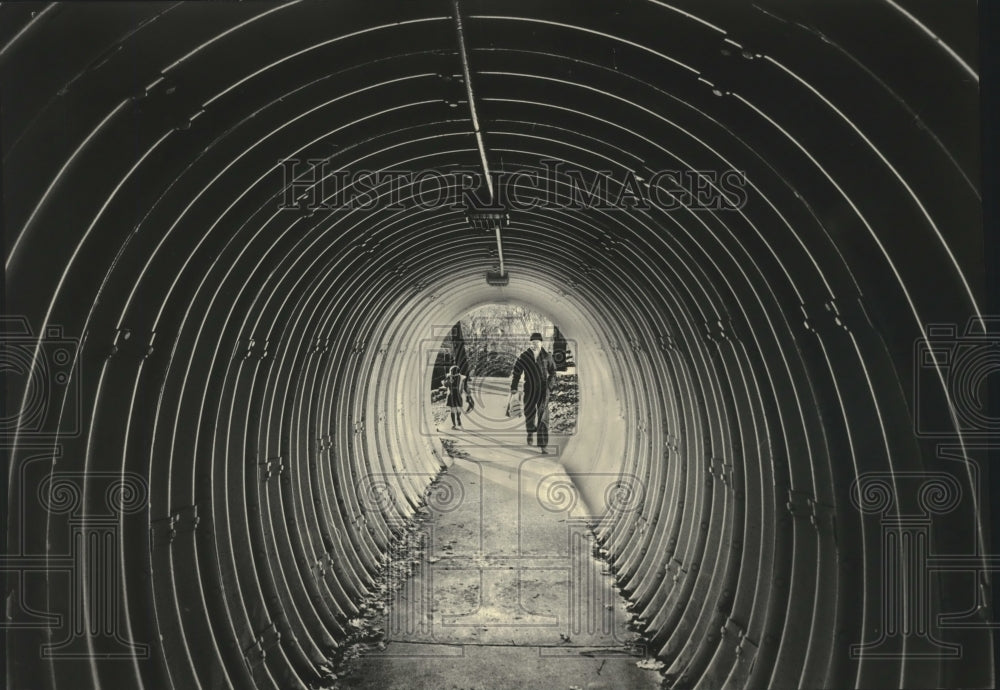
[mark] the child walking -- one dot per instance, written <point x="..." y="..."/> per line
<point x="456" y="384"/>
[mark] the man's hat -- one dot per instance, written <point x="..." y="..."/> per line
<point x="536" y="336"/>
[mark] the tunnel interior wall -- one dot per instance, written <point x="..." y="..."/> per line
<point x="245" y="429"/>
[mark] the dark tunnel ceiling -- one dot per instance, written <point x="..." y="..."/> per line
<point x="588" y="91"/>
<point x="767" y="353"/>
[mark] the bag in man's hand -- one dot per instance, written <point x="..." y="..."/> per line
<point x="471" y="402"/>
<point x="514" y="407"/>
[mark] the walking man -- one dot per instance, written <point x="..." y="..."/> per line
<point x="539" y="371"/>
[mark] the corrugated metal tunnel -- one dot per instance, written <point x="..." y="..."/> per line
<point x="204" y="379"/>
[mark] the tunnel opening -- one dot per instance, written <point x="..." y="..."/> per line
<point x="485" y="343"/>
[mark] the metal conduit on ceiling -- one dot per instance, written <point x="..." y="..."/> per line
<point x="239" y="372"/>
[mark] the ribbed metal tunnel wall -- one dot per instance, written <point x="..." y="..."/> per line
<point x="246" y="374"/>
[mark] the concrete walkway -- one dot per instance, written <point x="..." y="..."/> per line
<point x="508" y="594"/>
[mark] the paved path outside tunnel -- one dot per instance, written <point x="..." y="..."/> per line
<point x="508" y="594"/>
